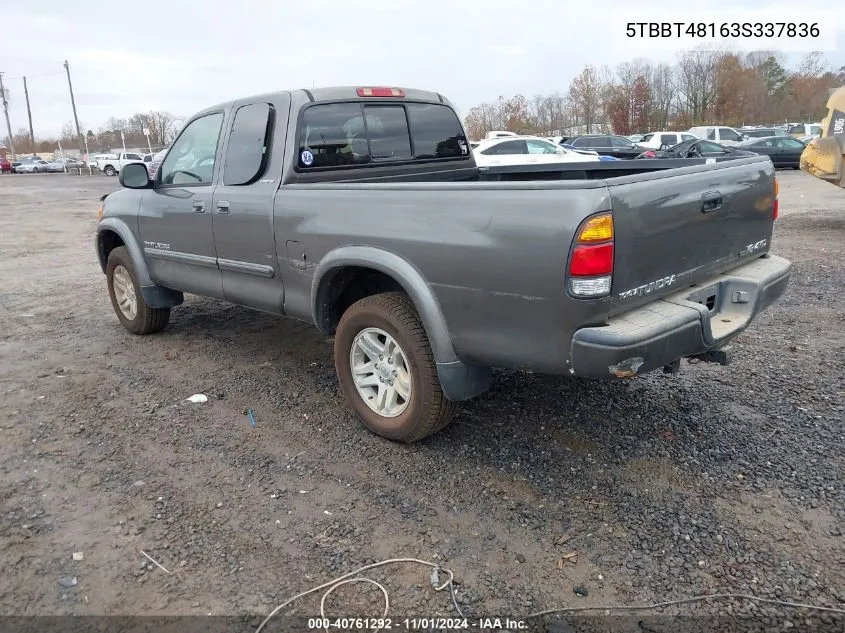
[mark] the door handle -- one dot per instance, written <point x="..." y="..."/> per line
<point x="711" y="201"/>
<point x="222" y="206"/>
<point x="198" y="206"/>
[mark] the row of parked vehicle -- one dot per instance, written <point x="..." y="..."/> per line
<point x="716" y="142"/>
<point x="109" y="164"/>
<point x="37" y="165"/>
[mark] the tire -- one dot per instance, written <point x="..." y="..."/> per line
<point x="426" y="410"/>
<point x="109" y="171"/>
<point x="121" y="273"/>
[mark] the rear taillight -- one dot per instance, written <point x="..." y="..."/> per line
<point x="777" y="191"/>
<point x="380" y="92"/>
<point x="591" y="262"/>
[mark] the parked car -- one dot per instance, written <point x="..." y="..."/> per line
<point x="784" y="151"/>
<point x="5" y="166"/>
<point x="21" y="161"/>
<point x="388" y="236"/>
<point x="761" y="132"/>
<point x="69" y="163"/>
<point x="719" y="134"/>
<point x="524" y="150"/>
<point x="695" y="148"/>
<point x="805" y="129"/>
<point x="606" y="144"/>
<point x="111" y="166"/>
<point x="38" y="167"/>
<point x="153" y="165"/>
<point x="656" y="140"/>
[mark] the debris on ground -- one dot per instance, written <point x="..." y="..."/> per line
<point x="198" y="398"/>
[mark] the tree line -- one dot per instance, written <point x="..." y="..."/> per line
<point x="161" y="125"/>
<point x="703" y="86"/>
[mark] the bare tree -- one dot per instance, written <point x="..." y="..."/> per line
<point x="585" y="92"/>
<point x="695" y="76"/>
<point x="663" y="95"/>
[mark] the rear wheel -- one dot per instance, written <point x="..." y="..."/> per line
<point x="387" y="371"/>
<point x="126" y="298"/>
<point x="109" y="171"/>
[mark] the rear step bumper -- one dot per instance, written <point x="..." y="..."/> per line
<point x="693" y="322"/>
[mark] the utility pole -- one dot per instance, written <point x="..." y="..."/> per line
<point x="29" y="115"/>
<point x="6" y="112"/>
<point x="73" y="104"/>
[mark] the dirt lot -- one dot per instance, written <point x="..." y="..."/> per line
<point x="715" y="480"/>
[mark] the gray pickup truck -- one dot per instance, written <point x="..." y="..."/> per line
<point x="361" y="210"/>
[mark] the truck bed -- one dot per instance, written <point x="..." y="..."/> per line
<point x="495" y="253"/>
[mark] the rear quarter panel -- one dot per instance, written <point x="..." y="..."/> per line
<point x="494" y="255"/>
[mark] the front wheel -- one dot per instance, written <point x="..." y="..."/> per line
<point x="126" y="298"/>
<point x="387" y="371"/>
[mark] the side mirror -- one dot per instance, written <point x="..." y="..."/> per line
<point x="135" y="176"/>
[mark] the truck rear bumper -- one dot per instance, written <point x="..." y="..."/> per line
<point x="697" y="320"/>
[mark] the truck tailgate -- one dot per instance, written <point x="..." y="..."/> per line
<point x="674" y="228"/>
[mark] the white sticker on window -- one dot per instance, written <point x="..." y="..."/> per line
<point x="307" y="158"/>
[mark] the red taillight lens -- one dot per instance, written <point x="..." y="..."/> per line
<point x="777" y="192"/>
<point x="591" y="261"/>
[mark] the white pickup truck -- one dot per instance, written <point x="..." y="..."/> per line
<point x="112" y="165"/>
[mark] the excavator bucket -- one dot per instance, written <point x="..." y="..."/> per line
<point x="824" y="157"/>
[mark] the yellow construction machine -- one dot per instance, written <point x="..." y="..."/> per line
<point x="824" y="157"/>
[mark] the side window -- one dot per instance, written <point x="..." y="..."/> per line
<point x="713" y="148"/>
<point x="646" y="138"/>
<point x="668" y="139"/>
<point x="726" y="134"/>
<point x="133" y="157"/>
<point x="615" y="141"/>
<point x="248" y="151"/>
<point x="537" y="147"/>
<point x="768" y="143"/>
<point x="512" y="147"/>
<point x="332" y="135"/>
<point x="600" y="141"/>
<point x="579" y="142"/>
<point x="436" y="132"/>
<point x="387" y="129"/>
<point x="191" y="159"/>
<point x="711" y="133"/>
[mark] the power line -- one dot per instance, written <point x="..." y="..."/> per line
<point x="58" y="72"/>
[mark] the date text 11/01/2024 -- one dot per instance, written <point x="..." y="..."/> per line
<point x="724" y="29"/>
<point x="416" y="624"/>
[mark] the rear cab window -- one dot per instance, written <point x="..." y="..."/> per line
<point x="345" y="134"/>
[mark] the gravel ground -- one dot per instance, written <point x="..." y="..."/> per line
<point x="720" y="479"/>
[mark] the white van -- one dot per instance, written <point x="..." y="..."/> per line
<point x="656" y="140"/>
<point x="499" y="134"/>
<point x="720" y="134"/>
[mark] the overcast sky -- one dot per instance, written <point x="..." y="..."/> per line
<point x="183" y="55"/>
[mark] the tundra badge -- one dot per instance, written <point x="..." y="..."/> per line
<point x="648" y="288"/>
